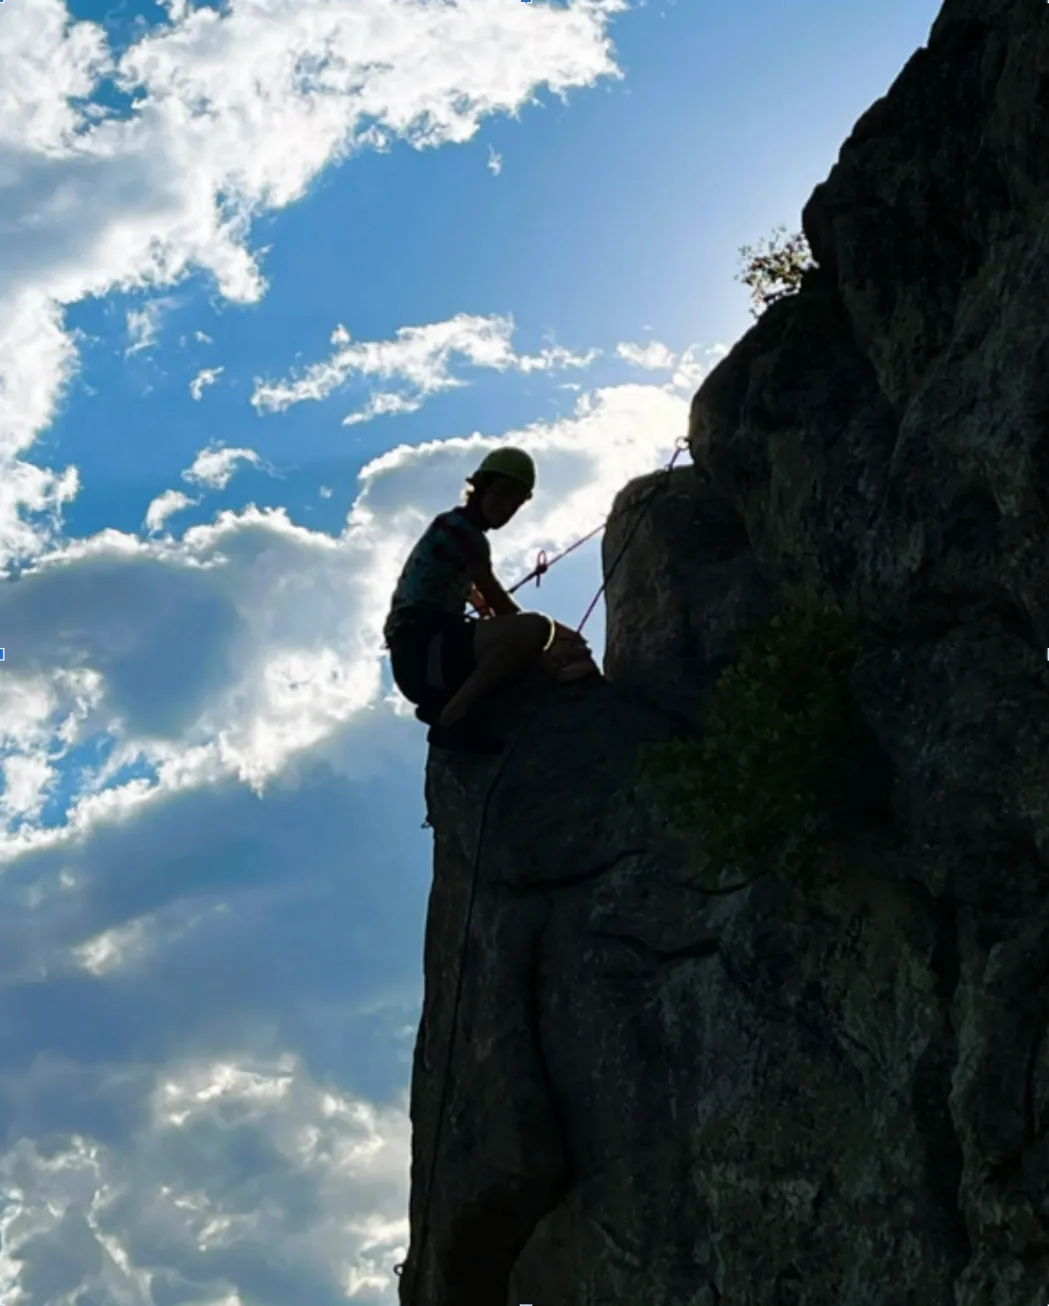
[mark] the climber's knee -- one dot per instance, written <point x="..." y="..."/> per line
<point x="536" y="631"/>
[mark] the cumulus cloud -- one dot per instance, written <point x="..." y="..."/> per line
<point x="220" y="1103"/>
<point x="250" y="639"/>
<point x="235" y="112"/>
<point x="25" y="779"/>
<point x="420" y="357"/>
<point x="171" y="1211"/>
<point x="164" y="506"/>
<point x="31" y="500"/>
<point x="205" y="377"/>
<point x="214" y="466"/>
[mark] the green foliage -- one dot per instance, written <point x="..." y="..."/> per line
<point x="772" y="272"/>
<point x="779" y="739"/>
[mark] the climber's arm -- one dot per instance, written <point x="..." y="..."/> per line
<point x="493" y="593"/>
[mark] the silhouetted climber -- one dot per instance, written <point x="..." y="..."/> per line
<point x="445" y="661"/>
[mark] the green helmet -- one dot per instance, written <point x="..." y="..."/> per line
<point x="514" y="463"/>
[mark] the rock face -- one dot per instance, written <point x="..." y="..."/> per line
<point x="767" y="1094"/>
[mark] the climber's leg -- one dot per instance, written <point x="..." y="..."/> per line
<point x="569" y="657"/>
<point x="503" y="647"/>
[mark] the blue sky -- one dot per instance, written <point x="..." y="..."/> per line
<point x="274" y="277"/>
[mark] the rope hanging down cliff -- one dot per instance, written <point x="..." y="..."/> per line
<point x="680" y="446"/>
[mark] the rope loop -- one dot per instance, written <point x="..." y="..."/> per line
<point x="541" y="566"/>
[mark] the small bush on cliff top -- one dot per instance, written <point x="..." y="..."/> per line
<point x="778" y="739"/>
<point x="774" y="271"/>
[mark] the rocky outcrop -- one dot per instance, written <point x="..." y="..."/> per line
<point x="669" y="1091"/>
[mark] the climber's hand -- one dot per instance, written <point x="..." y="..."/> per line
<point x="478" y="601"/>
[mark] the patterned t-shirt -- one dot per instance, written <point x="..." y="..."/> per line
<point x="440" y="568"/>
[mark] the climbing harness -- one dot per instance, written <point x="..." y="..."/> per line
<point x="542" y="566"/>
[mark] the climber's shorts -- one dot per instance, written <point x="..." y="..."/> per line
<point x="431" y="654"/>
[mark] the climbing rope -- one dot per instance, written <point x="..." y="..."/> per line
<point x="680" y="446"/>
<point x="543" y="564"/>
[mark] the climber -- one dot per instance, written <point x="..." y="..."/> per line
<point x="445" y="661"/>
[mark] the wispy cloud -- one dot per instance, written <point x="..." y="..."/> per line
<point x="420" y="357"/>
<point x="687" y="369"/>
<point x="205" y="377"/>
<point x="143" y="325"/>
<point x="383" y="404"/>
<point x="495" y="162"/>
<point x="654" y="356"/>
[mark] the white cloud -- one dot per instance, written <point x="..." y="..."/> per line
<point x="215" y="466"/>
<point x="112" y="949"/>
<point x="237" y="112"/>
<point x="553" y="357"/>
<point x="687" y="370"/>
<point x="420" y="357"/>
<point x="143" y="324"/>
<point x="325" y="492"/>
<point x="384" y="403"/>
<point x="28" y="489"/>
<point x="36" y="709"/>
<point x="205" y="988"/>
<point x="495" y="162"/>
<point x="205" y="377"/>
<point x="25" y="782"/>
<point x="164" y="506"/>
<point x="170" y="1207"/>
<point x="202" y="338"/>
<point x="653" y="356"/>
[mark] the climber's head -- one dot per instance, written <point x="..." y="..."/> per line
<point x="504" y="481"/>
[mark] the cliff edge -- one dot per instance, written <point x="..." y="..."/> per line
<point x="675" y="1088"/>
